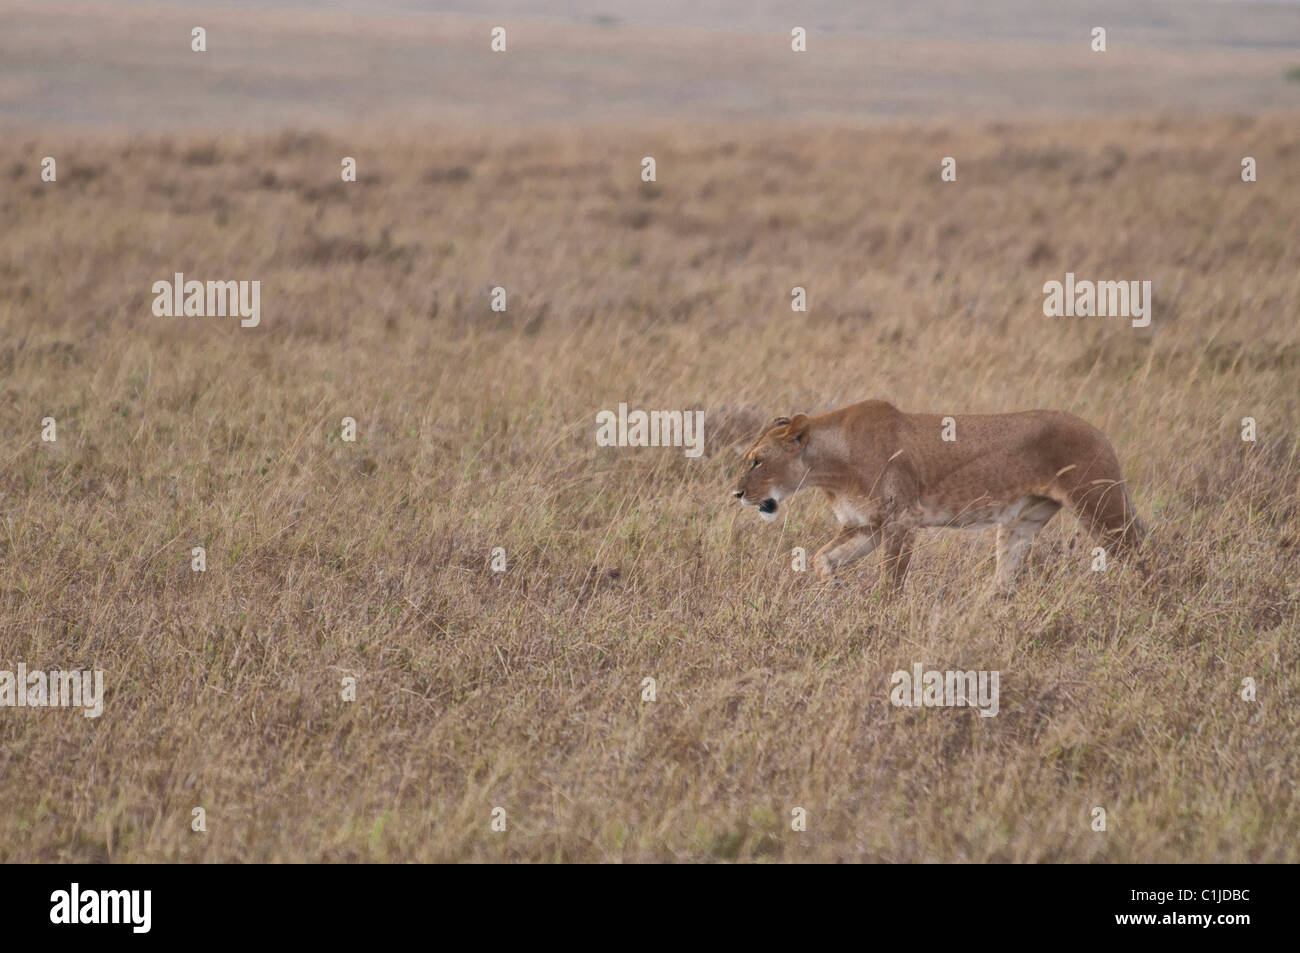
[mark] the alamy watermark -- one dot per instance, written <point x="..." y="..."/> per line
<point x="935" y="689"/>
<point x="656" y="428"/>
<point x="211" y="299"/>
<point x="130" y="907"/>
<point x="1103" y="299"/>
<point x="53" y="689"/>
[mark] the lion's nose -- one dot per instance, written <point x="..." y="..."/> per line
<point x="737" y="493"/>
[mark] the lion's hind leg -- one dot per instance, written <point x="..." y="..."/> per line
<point x="1105" y="508"/>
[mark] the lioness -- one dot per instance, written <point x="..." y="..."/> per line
<point x="887" y="474"/>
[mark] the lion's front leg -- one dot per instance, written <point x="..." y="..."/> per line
<point x="849" y="544"/>
<point x="900" y="539"/>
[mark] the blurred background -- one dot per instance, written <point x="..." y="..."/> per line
<point x="278" y="62"/>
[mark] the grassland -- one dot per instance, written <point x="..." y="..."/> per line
<point x="522" y="689"/>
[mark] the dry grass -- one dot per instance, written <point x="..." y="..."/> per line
<point x="476" y="430"/>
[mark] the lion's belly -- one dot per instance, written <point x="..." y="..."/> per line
<point x="851" y="512"/>
<point x="976" y="514"/>
<point x="952" y="511"/>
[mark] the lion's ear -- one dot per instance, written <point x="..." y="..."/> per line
<point x="796" y="433"/>
<point x="772" y="425"/>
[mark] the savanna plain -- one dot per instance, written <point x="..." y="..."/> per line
<point x="523" y="689"/>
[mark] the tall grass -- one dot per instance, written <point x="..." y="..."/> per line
<point x="523" y="689"/>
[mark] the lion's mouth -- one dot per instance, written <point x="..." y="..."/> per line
<point x="767" y="507"/>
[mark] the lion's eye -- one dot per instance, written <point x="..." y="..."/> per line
<point x="755" y="463"/>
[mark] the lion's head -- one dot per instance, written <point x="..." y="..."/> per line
<point x="774" y="467"/>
